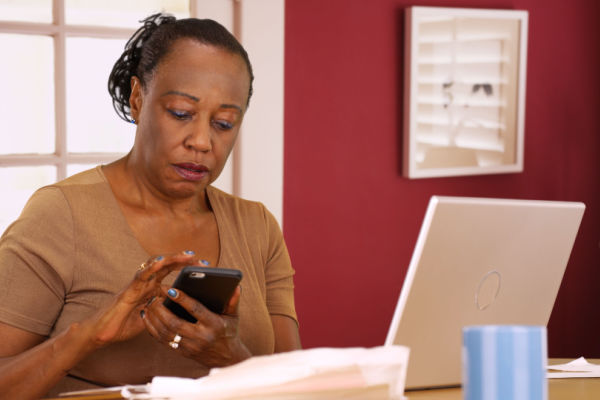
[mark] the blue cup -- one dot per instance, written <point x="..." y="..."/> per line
<point x="504" y="362"/>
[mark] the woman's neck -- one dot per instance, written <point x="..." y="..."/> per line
<point x="133" y="189"/>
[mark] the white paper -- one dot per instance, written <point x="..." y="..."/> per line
<point x="579" y="368"/>
<point x="330" y="373"/>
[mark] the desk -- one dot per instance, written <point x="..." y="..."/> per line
<point x="558" y="389"/>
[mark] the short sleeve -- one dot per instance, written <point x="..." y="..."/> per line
<point x="279" y="274"/>
<point x="36" y="256"/>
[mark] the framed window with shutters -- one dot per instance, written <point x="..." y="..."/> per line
<point x="464" y="91"/>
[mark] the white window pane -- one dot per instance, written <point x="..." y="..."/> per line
<point x="26" y="10"/>
<point x="27" y="101"/>
<point x="122" y="13"/>
<point x="92" y="123"/>
<point x="18" y="185"/>
<point x="73" y="169"/>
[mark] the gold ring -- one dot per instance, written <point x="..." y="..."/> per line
<point x="174" y="345"/>
<point x="142" y="266"/>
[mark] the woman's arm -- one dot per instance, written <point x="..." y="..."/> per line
<point x="287" y="337"/>
<point x="30" y="365"/>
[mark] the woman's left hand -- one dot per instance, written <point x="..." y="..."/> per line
<point x="213" y="340"/>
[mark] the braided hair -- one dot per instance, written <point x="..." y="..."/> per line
<point x="152" y="41"/>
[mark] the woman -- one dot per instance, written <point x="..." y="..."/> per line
<point x="69" y="319"/>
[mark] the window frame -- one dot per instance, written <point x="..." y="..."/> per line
<point x="59" y="31"/>
<point x="255" y="168"/>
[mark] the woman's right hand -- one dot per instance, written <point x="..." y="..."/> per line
<point x="121" y="319"/>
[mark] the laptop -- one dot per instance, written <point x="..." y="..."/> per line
<point x="478" y="261"/>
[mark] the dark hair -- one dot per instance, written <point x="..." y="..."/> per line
<point x="150" y="43"/>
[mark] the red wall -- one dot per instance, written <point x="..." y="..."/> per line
<point x="351" y="220"/>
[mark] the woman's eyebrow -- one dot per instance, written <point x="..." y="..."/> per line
<point x="232" y="106"/>
<point x="178" y="93"/>
<point x="196" y="99"/>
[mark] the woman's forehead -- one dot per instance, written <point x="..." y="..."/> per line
<point x="185" y="50"/>
<point x="193" y="67"/>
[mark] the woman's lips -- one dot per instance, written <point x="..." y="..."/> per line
<point x="191" y="171"/>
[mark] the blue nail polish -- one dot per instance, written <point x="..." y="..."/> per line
<point x="159" y="258"/>
<point x="189" y="252"/>
<point x="172" y="292"/>
<point x="142" y="314"/>
<point x="205" y="262"/>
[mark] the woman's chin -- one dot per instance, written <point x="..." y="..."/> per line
<point x="186" y="189"/>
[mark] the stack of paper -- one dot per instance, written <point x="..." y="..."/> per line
<point x="325" y="373"/>
<point x="579" y="368"/>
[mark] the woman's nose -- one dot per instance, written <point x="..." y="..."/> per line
<point x="200" y="139"/>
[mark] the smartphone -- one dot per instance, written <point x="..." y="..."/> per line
<point x="213" y="287"/>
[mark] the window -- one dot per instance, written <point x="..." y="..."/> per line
<point x="56" y="112"/>
<point x="57" y="116"/>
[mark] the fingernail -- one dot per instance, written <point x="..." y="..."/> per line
<point x="205" y="262"/>
<point x="159" y="258"/>
<point x="172" y="292"/>
<point x="189" y="252"/>
<point x="142" y="314"/>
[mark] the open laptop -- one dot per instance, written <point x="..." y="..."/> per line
<point x="478" y="261"/>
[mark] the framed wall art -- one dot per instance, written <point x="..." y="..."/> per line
<point x="464" y="88"/>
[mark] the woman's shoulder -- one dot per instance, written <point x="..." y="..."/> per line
<point x="83" y="190"/>
<point x="247" y="223"/>
<point x="230" y="202"/>
<point x="240" y="211"/>
<point x="79" y="184"/>
<point x="88" y="177"/>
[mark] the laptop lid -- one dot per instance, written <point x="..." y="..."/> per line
<point x="478" y="261"/>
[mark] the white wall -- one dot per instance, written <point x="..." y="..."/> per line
<point x="255" y="170"/>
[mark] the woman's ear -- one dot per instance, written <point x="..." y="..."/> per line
<point x="135" y="99"/>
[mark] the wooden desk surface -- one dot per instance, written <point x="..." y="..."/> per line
<point x="558" y="389"/>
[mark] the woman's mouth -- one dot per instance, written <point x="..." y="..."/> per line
<point x="191" y="171"/>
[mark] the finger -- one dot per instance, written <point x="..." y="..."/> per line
<point x="163" y="325"/>
<point x="150" y="325"/>
<point x="205" y="263"/>
<point x="160" y="266"/>
<point x="142" y="272"/>
<point x="193" y="306"/>
<point x="160" y="323"/>
<point x="209" y="325"/>
<point x="234" y="302"/>
<point x="160" y="333"/>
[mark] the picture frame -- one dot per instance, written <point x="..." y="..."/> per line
<point x="464" y="91"/>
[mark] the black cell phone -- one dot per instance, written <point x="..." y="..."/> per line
<point x="213" y="287"/>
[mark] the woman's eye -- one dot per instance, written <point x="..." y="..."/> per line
<point x="223" y="125"/>
<point x="180" y="114"/>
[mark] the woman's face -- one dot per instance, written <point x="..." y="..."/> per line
<point x="189" y="116"/>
